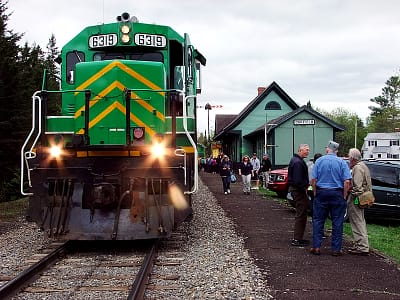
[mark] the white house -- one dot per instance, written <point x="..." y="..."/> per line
<point x="381" y="145"/>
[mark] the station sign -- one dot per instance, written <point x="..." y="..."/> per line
<point x="304" y="122"/>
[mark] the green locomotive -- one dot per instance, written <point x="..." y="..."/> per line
<point x="120" y="159"/>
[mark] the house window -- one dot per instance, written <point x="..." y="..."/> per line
<point x="379" y="155"/>
<point x="372" y="143"/>
<point x="394" y="143"/>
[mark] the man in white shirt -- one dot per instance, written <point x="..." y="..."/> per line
<point x="256" y="168"/>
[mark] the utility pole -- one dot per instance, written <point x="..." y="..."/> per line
<point x="355" y="132"/>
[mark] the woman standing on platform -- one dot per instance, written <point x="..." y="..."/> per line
<point x="225" y="169"/>
<point x="246" y="171"/>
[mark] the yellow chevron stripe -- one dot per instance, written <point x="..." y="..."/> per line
<point x="120" y="86"/>
<point x="133" y="118"/>
<point x="102" y="94"/>
<point x="147" y="106"/>
<point x="120" y="107"/>
<point x="124" y="68"/>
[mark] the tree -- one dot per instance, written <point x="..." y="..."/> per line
<point x="386" y="116"/>
<point x="354" y="132"/>
<point x="21" y="74"/>
<point x="8" y="96"/>
<point x="52" y="78"/>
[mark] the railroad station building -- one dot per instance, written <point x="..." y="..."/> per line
<point x="273" y="123"/>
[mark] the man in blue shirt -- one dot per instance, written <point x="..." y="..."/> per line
<point x="330" y="180"/>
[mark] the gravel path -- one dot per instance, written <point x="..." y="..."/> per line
<point x="292" y="272"/>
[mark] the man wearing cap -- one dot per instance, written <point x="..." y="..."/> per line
<point x="330" y="180"/>
<point x="265" y="169"/>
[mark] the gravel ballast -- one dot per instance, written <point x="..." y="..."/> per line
<point x="215" y="264"/>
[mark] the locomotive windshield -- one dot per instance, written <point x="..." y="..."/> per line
<point x="144" y="56"/>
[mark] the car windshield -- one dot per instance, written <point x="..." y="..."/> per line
<point x="383" y="174"/>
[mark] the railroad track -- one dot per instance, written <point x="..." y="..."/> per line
<point x="120" y="270"/>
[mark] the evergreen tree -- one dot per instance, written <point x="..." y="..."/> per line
<point x="9" y="100"/>
<point x="21" y="74"/>
<point x="52" y="77"/>
<point x="386" y="116"/>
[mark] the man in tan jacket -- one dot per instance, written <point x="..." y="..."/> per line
<point x="361" y="182"/>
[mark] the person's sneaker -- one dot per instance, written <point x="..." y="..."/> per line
<point x="358" y="252"/>
<point x="315" y="251"/>
<point x="226" y="193"/>
<point x="229" y="191"/>
<point x="337" y="253"/>
<point x="300" y="243"/>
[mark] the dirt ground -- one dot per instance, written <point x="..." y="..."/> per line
<point x="292" y="272"/>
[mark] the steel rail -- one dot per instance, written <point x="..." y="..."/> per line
<point x="142" y="278"/>
<point x="12" y="287"/>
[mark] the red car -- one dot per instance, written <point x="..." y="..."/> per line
<point x="278" y="182"/>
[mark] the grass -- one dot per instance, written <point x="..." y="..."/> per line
<point x="384" y="237"/>
<point x="10" y="211"/>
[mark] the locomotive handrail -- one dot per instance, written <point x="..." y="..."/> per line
<point x="25" y="156"/>
<point x="184" y="118"/>
<point x="196" y="175"/>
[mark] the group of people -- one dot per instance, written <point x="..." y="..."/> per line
<point x="250" y="169"/>
<point x="331" y="183"/>
<point x="335" y="185"/>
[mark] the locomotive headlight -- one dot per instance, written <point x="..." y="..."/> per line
<point x="158" y="150"/>
<point x="125" y="38"/>
<point x="55" y="151"/>
<point x="125" y="29"/>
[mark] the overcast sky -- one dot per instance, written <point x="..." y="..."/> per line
<point x="335" y="53"/>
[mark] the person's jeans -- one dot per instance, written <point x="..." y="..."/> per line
<point x="226" y="183"/>
<point x="246" y="183"/>
<point x="265" y="177"/>
<point x="328" y="201"/>
<point x="301" y="201"/>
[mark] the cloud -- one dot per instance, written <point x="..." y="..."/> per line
<point x="334" y="53"/>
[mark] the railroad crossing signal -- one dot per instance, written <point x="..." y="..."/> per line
<point x="210" y="106"/>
